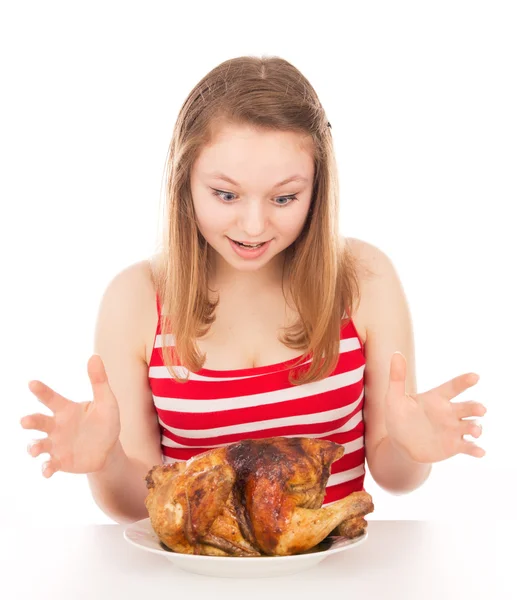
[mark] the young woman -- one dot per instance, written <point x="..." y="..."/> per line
<point x="255" y="318"/>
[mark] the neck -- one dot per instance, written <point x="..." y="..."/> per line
<point x="225" y="276"/>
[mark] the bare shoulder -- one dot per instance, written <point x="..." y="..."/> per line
<point x="371" y="261"/>
<point x="130" y="297"/>
<point x="378" y="281"/>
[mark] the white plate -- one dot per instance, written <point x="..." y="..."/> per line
<point x="142" y="535"/>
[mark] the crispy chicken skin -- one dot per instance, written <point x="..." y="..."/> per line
<point x="252" y="498"/>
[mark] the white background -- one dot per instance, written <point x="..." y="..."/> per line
<point x="421" y="97"/>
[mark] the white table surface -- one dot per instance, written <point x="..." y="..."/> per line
<point x="414" y="560"/>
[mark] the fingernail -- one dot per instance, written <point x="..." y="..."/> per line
<point x="29" y="447"/>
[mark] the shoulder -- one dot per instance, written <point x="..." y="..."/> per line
<point x="370" y="260"/>
<point x="128" y="305"/>
<point x="133" y="285"/>
<point x="381" y="290"/>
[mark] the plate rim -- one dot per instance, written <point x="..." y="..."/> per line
<point x="171" y="555"/>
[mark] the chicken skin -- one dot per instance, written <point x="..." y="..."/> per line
<point x="252" y="498"/>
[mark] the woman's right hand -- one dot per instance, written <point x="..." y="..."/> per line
<point x="80" y="435"/>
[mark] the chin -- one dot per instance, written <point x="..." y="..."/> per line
<point x="247" y="265"/>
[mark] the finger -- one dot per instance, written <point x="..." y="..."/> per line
<point x="452" y="388"/>
<point x="397" y="381"/>
<point x="37" y="447"/>
<point x="50" y="467"/>
<point x="47" y="395"/>
<point x="39" y="422"/>
<point x="472" y="449"/>
<point x="471" y="427"/>
<point x="469" y="409"/>
<point x="99" y="380"/>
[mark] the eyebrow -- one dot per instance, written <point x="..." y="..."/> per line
<point x="223" y="177"/>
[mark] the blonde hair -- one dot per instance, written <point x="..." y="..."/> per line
<point x="270" y="93"/>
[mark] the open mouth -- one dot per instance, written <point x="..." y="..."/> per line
<point x="251" y="246"/>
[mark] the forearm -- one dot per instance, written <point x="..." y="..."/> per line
<point x="119" y="488"/>
<point x="394" y="471"/>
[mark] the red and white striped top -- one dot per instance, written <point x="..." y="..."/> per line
<point x="215" y="408"/>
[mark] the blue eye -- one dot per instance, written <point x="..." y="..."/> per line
<point x="219" y="193"/>
<point x="288" y="198"/>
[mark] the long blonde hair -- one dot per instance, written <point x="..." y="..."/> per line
<point x="270" y="93"/>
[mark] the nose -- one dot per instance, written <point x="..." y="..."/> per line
<point x="253" y="219"/>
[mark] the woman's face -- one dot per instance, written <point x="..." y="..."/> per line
<point x="256" y="207"/>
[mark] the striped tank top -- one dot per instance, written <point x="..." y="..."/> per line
<point x="215" y="408"/>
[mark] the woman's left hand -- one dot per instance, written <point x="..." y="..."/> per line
<point x="428" y="427"/>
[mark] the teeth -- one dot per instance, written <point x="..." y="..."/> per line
<point x="249" y="246"/>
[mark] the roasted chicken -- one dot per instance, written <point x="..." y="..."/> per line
<point x="252" y="498"/>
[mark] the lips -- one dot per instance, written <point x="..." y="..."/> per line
<point x="249" y="252"/>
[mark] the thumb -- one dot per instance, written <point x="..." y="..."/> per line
<point x="397" y="383"/>
<point x="99" y="379"/>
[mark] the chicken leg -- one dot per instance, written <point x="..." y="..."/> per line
<point x="309" y="526"/>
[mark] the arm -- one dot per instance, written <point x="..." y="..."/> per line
<point x="119" y="487"/>
<point x="388" y="329"/>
